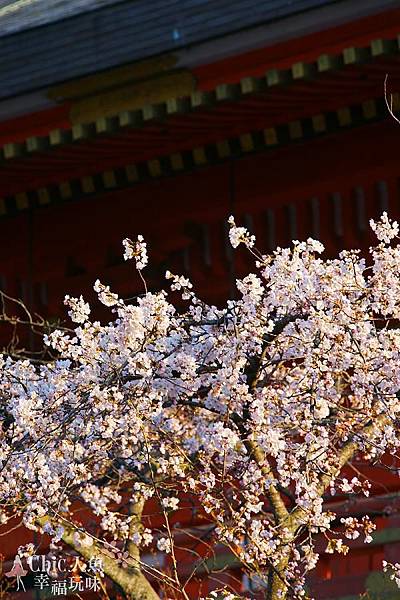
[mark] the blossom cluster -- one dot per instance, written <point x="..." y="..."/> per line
<point x="393" y="570"/>
<point x="252" y="410"/>
<point x="136" y="250"/>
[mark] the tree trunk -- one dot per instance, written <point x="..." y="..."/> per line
<point x="130" y="579"/>
<point x="138" y="588"/>
<point x="278" y="589"/>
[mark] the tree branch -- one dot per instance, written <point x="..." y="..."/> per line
<point x="130" y="579"/>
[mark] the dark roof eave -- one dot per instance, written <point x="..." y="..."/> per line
<point x="34" y="59"/>
<point x="306" y="23"/>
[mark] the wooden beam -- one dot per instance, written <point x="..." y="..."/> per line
<point x="92" y="84"/>
<point x="131" y="173"/>
<point x="106" y="125"/>
<point x="344" y="116"/>
<point x="82" y="132"/>
<point x="176" y="161"/>
<point x="302" y="70"/>
<point x="369" y="109"/>
<point x="354" y="56"/>
<point x="319" y="123"/>
<point x="12" y="150"/>
<point x="154" y="167"/>
<point x="132" y="97"/>
<point x="43" y="195"/>
<point x="127" y="102"/>
<point x="271" y="136"/>
<point x="60" y="136"/>
<point x="129" y="118"/>
<point x="109" y="180"/>
<point x="381" y="47"/>
<point x="270" y="228"/>
<point x="154" y="112"/>
<point x="178" y="105"/>
<point x="395" y="101"/>
<point x="223" y="149"/>
<point x="277" y="77"/>
<point x="315" y="217"/>
<point x="65" y="190"/>
<point x="198" y="99"/>
<point x="199" y="156"/>
<point x="87" y="184"/>
<point x="227" y="91"/>
<point x="246" y="142"/>
<point x="37" y="144"/>
<point x="337" y="209"/>
<point x="22" y="201"/>
<point x="251" y="85"/>
<point x="328" y="62"/>
<point x="295" y="130"/>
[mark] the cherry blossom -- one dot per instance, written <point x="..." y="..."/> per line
<point x="260" y="415"/>
<point x="136" y="250"/>
<point x="384" y="229"/>
<point x="80" y="310"/>
<point x="239" y="235"/>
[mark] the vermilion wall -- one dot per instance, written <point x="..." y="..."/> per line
<point x="327" y="188"/>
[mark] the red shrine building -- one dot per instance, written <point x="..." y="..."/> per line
<point x="164" y="117"/>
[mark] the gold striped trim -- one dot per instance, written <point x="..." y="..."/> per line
<point x="201" y="156"/>
<point x="199" y="99"/>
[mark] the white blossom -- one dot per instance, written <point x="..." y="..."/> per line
<point x="80" y="310"/>
<point x="164" y="545"/>
<point x="241" y="412"/>
<point x="385" y="229"/>
<point x="170" y="503"/>
<point x="104" y="294"/>
<point x="136" y="250"/>
<point x="239" y="235"/>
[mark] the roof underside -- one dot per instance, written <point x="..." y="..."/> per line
<point x="43" y="43"/>
<point x="19" y="15"/>
<point x="302" y="106"/>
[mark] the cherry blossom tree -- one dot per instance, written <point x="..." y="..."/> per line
<point x="256" y="411"/>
